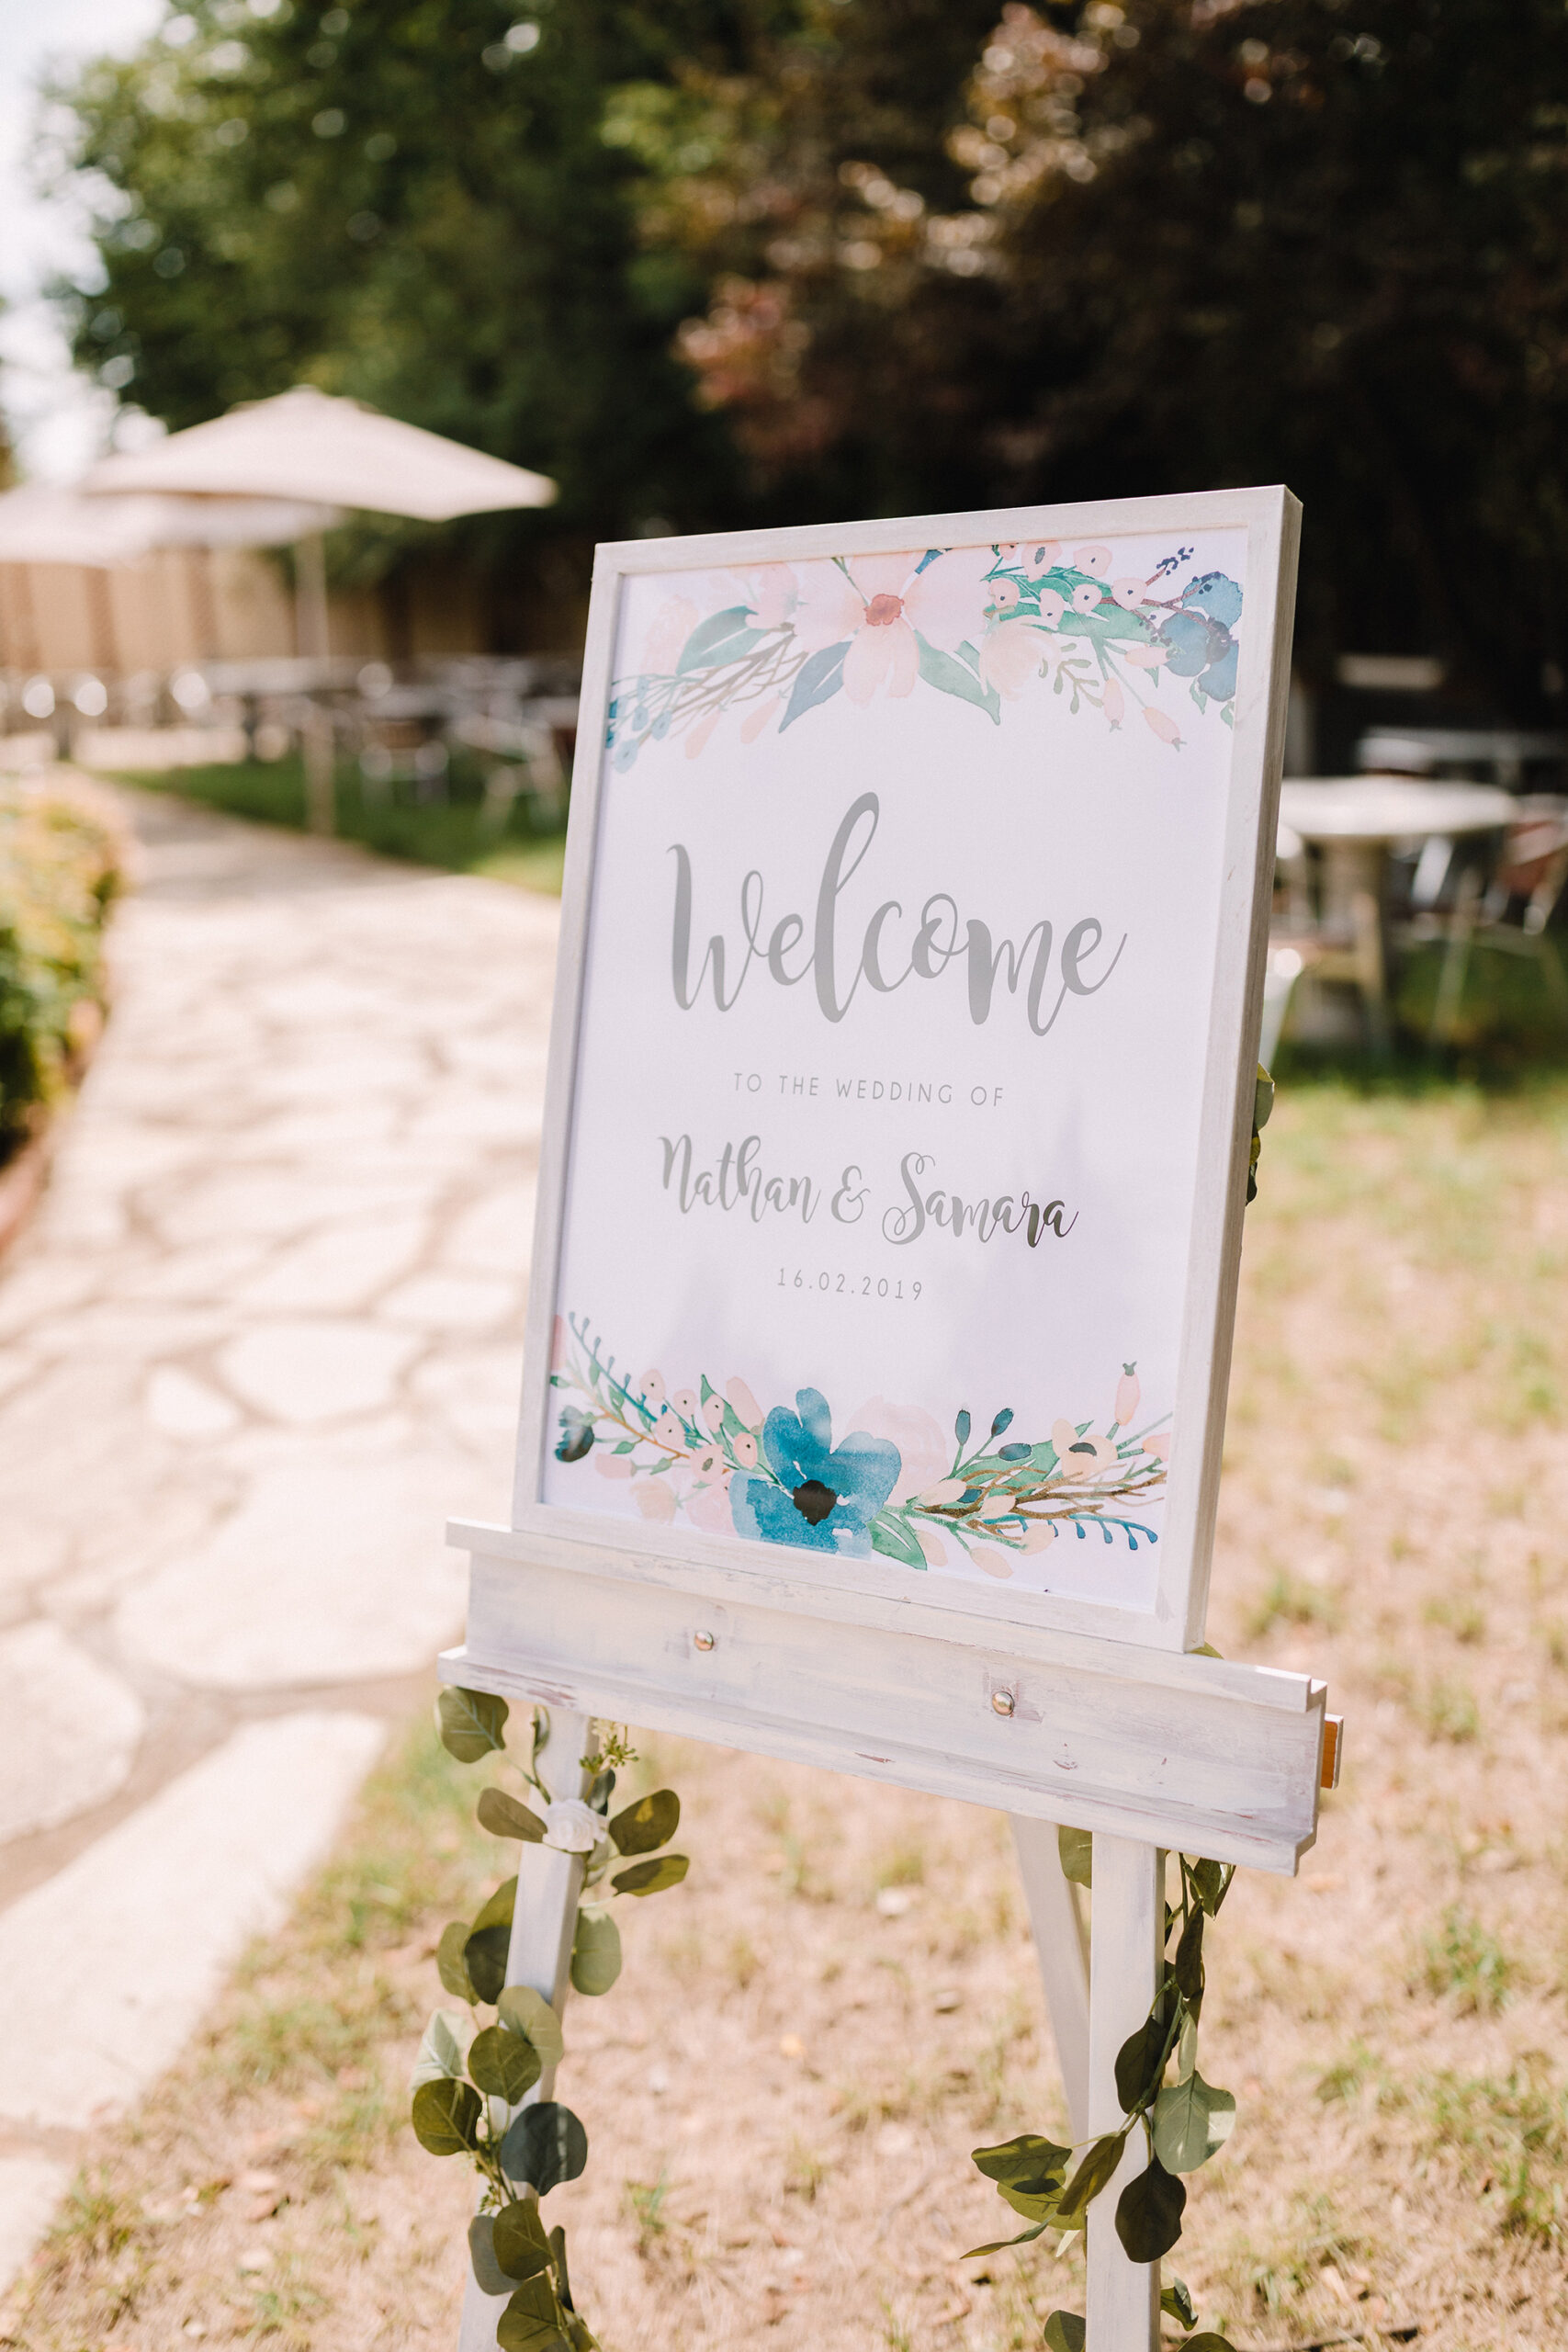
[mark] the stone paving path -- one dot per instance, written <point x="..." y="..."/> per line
<point x="262" y="1338"/>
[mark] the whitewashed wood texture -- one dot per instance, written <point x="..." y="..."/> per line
<point x="1271" y="520"/>
<point x="1185" y="1751"/>
<point x="1125" y="1958"/>
<point x="543" y="1925"/>
<point x="1063" y="1947"/>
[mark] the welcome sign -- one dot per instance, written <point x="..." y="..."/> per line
<point x="903" y="1063"/>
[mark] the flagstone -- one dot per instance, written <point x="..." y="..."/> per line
<point x="318" y="1370"/>
<point x="69" y="1729"/>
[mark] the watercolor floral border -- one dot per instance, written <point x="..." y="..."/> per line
<point x="892" y="1485"/>
<point x="986" y="625"/>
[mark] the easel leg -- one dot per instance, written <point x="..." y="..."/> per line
<point x="1061" y="1944"/>
<point x="1124" y="1950"/>
<point x="549" y="1883"/>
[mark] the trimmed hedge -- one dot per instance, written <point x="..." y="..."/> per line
<point x="63" y="857"/>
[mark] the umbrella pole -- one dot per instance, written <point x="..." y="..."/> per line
<point x="312" y="642"/>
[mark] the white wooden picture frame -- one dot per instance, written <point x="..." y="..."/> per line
<point x="1247" y="740"/>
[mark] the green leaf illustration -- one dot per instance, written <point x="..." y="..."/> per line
<point x="596" y="1953"/>
<point x="447" y="2118"/>
<point x="653" y="1876"/>
<point x="723" y="636"/>
<point x="1192" y="2121"/>
<point x="504" y="1817"/>
<point x="951" y="677"/>
<point x="1076" y="1847"/>
<point x="503" y="2064"/>
<point x="651" y="1822"/>
<point x="818" y="679"/>
<point x="1148" y="2214"/>
<point x="891" y="1534"/>
<point x="472" y="1723"/>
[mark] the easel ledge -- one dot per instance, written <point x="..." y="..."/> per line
<point x="1166" y="1750"/>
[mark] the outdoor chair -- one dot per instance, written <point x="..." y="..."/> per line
<point x="1300" y="941"/>
<point x="1510" y="908"/>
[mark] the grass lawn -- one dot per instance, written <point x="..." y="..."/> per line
<point x="432" y="833"/>
<point x="810" y="2035"/>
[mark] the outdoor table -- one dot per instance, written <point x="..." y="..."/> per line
<point x="1356" y="821"/>
<point x="1502" y="750"/>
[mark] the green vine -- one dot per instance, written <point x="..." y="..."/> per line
<point x="1184" y="2121"/>
<point x="472" y="2075"/>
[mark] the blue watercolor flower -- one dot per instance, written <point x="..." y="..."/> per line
<point x="826" y="1498"/>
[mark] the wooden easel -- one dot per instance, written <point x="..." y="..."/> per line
<point x="1147" y="1749"/>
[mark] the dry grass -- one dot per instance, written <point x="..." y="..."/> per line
<point x="808" y="2037"/>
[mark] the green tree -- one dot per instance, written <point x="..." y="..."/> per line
<point x="1318" y="241"/>
<point x="409" y="201"/>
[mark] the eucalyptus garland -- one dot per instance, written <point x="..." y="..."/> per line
<point x="471" y="2075"/>
<point x="1184" y="2120"/>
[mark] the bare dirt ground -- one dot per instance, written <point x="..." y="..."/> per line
<point x="810" y="2035"/>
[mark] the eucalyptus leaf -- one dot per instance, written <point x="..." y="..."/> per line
<point x="818" y="679"/>
<point x="522" y="2248"/>
<point x="447" y="2118"/>
<point x="528" y="2013"/>
<point x="532" y="2321"/>
<point x="1076" y="1847"/>
<point x="504" y="1817"/>
<point x="1030" y="2162"/>
<point x="651" y="1822"/>
<point x="1191" y="2122"/>
<point x="723" y="636"/>
<point x="557" y="2256"/>
<point x="485" y="1956"/>
<point x="1091" y="2177"/>
<point x="1001" y="2246"/>
<point x="1188" y="1967"/>
<point x="595" y="1952"/>
<point x="503" y="2064"/>
<point x="940" y="669"/>
<point x="1209" y="1880"/>
<point x="492" y="2279"/>
<point x="545" y="2145"/>
<point x="1148" y="2214"/>
<point x="440" y="2055"/>
<point x="1140" y="2062"/>
<point x="892" y="1535"/>
<point x="651" y="1877"/>
<point x="1034" y="2205"/>
<point x="473" y="1724"/>
<point x="498" y="1911"/>
<point x="1064" y="2332"/>
<point x="1177" y="2303"/>
<point x="1210" y="2341"/>
<point x="452" y="1968"/>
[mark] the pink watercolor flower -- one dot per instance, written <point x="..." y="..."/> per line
<point x="1159" y="1446"/>
<point x="1128" y="594"/>
<point x="1165" y="728"/>
<point x="611" y="1465"/>
<point x="655" y="1499"/>
<point x="1128" y="1392"/>
<point x="1115" y="705"/>
<point x="1087" y="596"/>
<point x="1082" y="1457"/>
<point x="1095" y="560"/>
<point x="879" y="602"/>
<point x="1040" y="1534"/>
<point x="745" y="1404"/>
<point x="923" y="1452"/>
<point x="1012" y="655"/>
<point x="995" y="1564"/>
<point x="707" y="1506"/>
<point x="931" y="1544"/>
<point x="671" y="627"/>
<point x="1146" y="657"/>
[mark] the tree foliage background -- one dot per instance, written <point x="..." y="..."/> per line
<point x="742" y="260"/>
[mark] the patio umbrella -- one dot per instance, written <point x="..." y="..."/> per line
<point x="308" y="443"/>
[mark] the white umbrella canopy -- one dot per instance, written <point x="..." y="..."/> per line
<point x="310" y="444"/>
<point x="42" y="524"/>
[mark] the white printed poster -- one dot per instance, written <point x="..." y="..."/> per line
<point x="885" y="1119"/>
